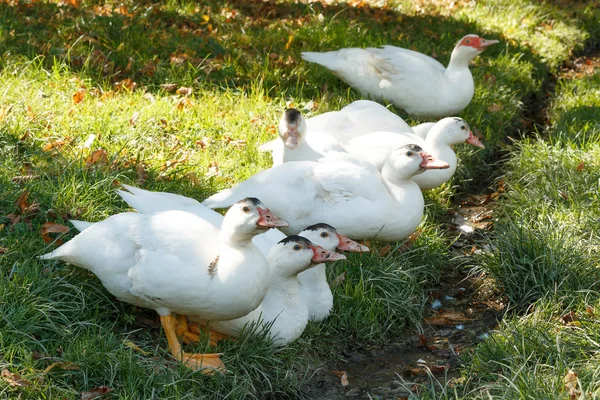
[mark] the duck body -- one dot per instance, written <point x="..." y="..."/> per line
<point x="355" y="119"/>
<point x="414" y="82"/>
<point x="163" y="262"/>
<point x="342" y="191"/>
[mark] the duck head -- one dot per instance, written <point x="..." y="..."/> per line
<point x="454" y="130"/>
<point x="329" y="238"/>
<point x="249" y="217"/>
<point x="469" y="47"/>
<point x="408" y="161"/>
<point x="292" y="128"/>
<point x="295" y="254"/>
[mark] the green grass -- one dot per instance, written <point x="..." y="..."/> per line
<point x="159" y="140"/>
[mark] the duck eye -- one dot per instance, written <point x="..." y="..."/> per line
<point x="297" y="247"/>
<point x="246" y="209"/>
<point x="463" y="127"/>
<point x="324" y="235"/>
<point x="410" y="153"/>
<point x="468" y="41"/>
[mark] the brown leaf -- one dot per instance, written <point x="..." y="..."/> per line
<point x="95" y="393"/>
<point x="125" y="85"/>
<point x="22" y="203"/>
<point x="51" y="227"/>
<point x="203" y="143"/>
<point x="66" y="365"/>
<point x="385" y="250"/>
<point x="25" y="178"/>
<point x="570" y="382"/>
<point x="569" y="317"/>
<point x="14" y="379"/>
<point x="184" y="102"/>
<point x="78" y="96"/>
<point x="186" y="91"/>
<point x="97" y="157"/>
<point x="57" y="144"/>
<point x="141" y="173"/>
<point x="563" y="194"/>
<point x="580" y="166"/>
<point x="494" y="108"/>
<point x="343" y="377"/>
<point x="172" y="163"/>
<point x="339" y="279"/>
<point x="213" y="169"/>
<point x="169" y="87"/>
<point x="134" y="118"/>
<point x="3" y="250"/>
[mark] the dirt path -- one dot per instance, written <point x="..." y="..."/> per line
<point x="462" y="310"/>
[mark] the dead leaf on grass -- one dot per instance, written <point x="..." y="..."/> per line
<point x="14" y="379"/>
<point x="185" y="91"/>
<point x="97" y="157"/>
<point x="56" y="144"/>
<point x="494" y="108"/>
<point x="343" y="377"/>
<point x="134" y="118"/>
<point x="3" y="250"/>
<point x="25" y="178"/>
<point x="169" y="87"/>
<point x="65" y="365"/>
<point x="385" y="250"/>
<point x="580" y="166"/>
<point x="79" y="95"/>
<point x="213" y="169"/>
<point x="570" y="382"/>
<point x="52" y="227"/>
<point x="22" y="203"/>
<point x="95" y="393"/>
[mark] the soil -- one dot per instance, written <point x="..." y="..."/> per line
<point x="463" y="309"/>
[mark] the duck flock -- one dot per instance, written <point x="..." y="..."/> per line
<point x="353" y="174"/>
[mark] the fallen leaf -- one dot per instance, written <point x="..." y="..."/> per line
<point x="95" y="393"/>
<point x="494" y="108"/>
<point x="203" y="143"/>
<point x="141" y="173"/>
<point x="135" y="347"/>
<point x="66" y="365"/>
<point x="57" y="144"/>
<point x="385" y="250"/>
<point x="3" y="250"/>
<point x="186" y="91"/>
<point x="289" y="42"/>
<point x="580" y="166"/>
<point x="14" y="379"/>
<point x="78" y="96"/>
<point x="563" y="194"/>
<point x="22" y="203"/>
<point x="169" y="87"/>
<point x="569" y="317"/>
<point x="213" y="169"/>
<point x="134" y="118"/>
<point x="339" y="279"/>
<point x="172" y="163"/>
<point x="51" y="227"/>
<point x="343" y="377"/>
<point x="570" y="382"/>
<point x="125" y="84"/>
<point x="98" y="156"/>
<point x="25" y="178"/>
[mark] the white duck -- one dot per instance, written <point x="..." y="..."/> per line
<point x="177" y="262"/>
<point x="414" y="82"/>
<point x="283" y="311"/>
<point x="344" y="192"/>
<point x="376" y="147"/>
<point x="294" y="144"/>
<point x="314" y="289"/>
<point x="355" y="119"/>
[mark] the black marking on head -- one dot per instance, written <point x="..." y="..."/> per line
<point x="412" y="147"/>
<point x="212" y="267"/>
<point x="295" y="239"/>
<point x="321" y="225"/>
<point x="457" y="119"/>
<point x="292" y="116"/>
<point x="252" y="200"/>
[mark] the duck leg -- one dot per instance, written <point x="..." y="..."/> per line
<point x="214" y="336"/>
<point x="207" y="363"/>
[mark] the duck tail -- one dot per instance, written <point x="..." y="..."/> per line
<point x="328" y="59"/>
<point x="61" y="253"/>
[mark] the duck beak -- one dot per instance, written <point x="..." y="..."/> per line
<point x="431" y="163"/>
<point x="270" y="220"/>
<point x="484" y="44"/>
<point x="474" y="141"/>
<point x="347" y="244"/>
<point x="290" y="138"/>
<point x="320" y="255"/>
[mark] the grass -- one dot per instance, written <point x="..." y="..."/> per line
<point x="194" y="144"/>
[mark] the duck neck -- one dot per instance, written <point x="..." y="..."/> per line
<point x="459" y="62"/>
<point x="232" y="236"/>
<point x="283" y="294"/>
<point x="398" y="182"/>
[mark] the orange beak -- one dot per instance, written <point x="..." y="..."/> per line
<point x="270" y="220"/>
<point x="347" y="244"/>
<point x="474" y="141"/>
<point x="431" y="163"/>
<point x="320" y="255"/>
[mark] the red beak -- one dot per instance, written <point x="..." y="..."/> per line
<point x="474" y="141"/>
<point x="270" y="220"/>
<point x="320" y="255"/>
<point x="347" y="244"/>
<point x="290" y="138"/>
<point x="431" y="163"/>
